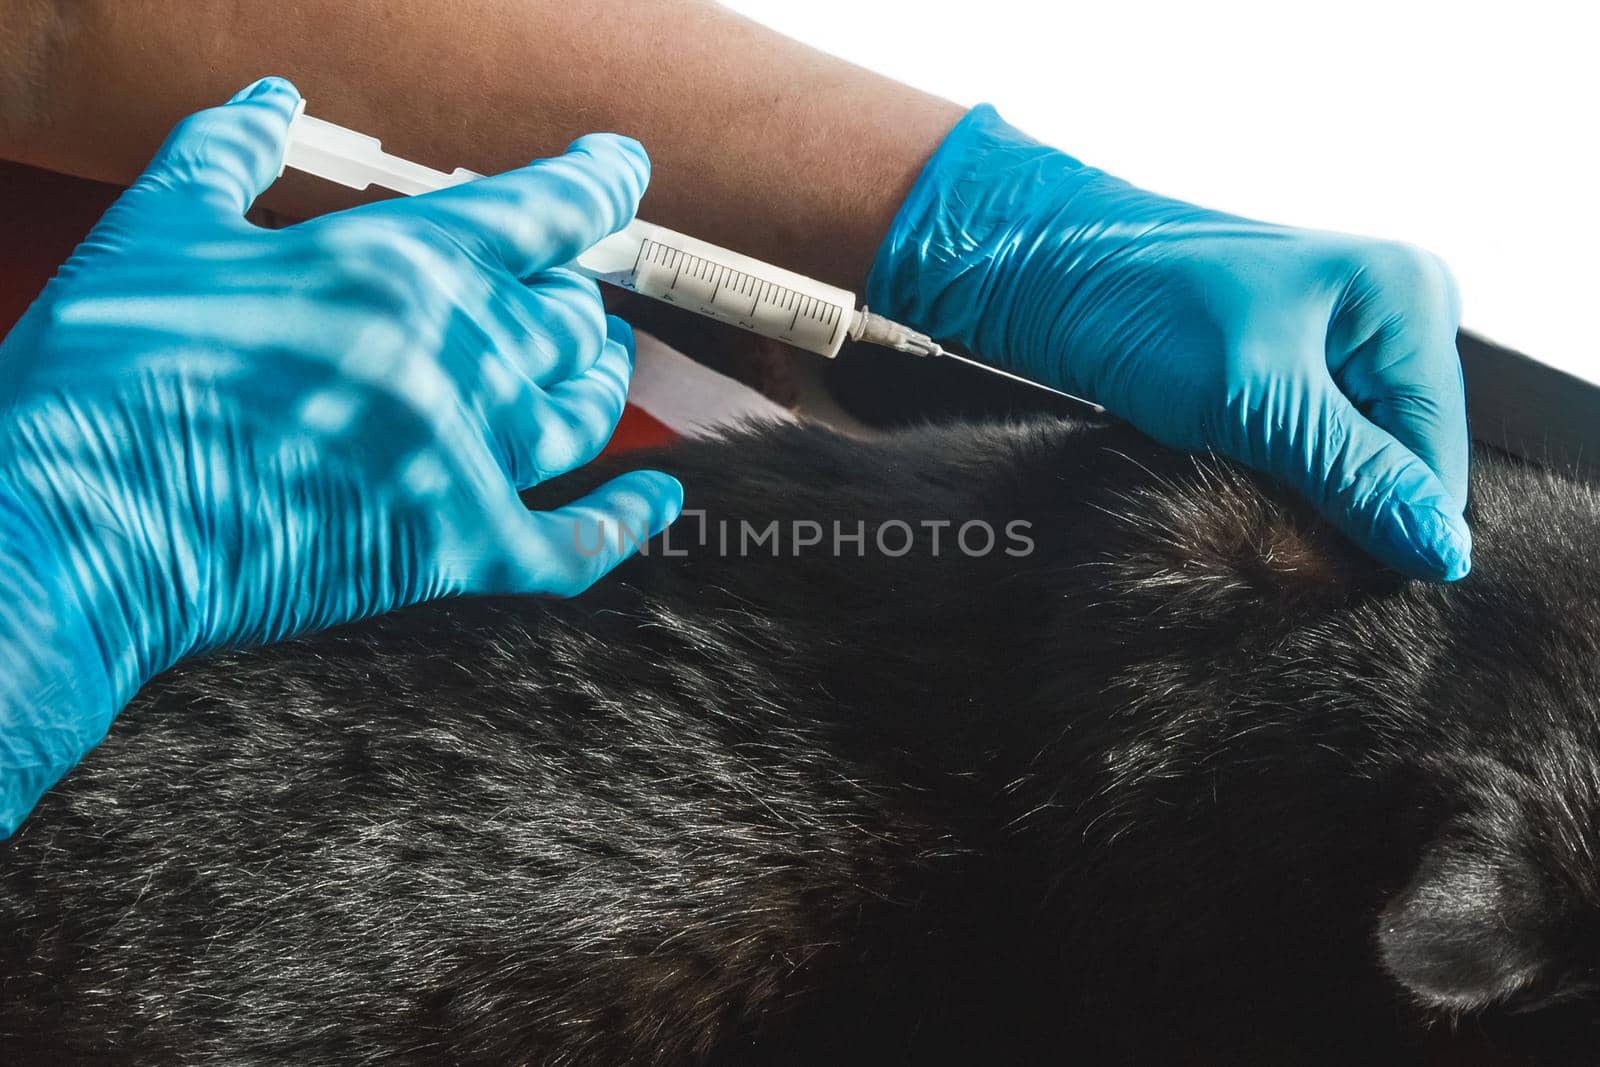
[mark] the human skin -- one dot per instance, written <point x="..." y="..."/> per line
<point x="1285" y="344"/>
<point x="780" y="151"/>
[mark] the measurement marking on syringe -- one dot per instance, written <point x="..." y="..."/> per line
<point x="659" y="269"/>
<point x="686" y="265"/>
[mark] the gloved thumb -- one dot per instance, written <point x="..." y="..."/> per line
<point x="563" y="552"/>
<point x="226" y="156"/>
<point x="1378" y="491"/>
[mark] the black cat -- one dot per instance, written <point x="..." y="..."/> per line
<point x="1163" y="771"/>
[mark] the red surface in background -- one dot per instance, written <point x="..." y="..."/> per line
<point x="43" y="216"/>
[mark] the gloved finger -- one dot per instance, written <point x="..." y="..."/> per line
<point x="563" y="428"/>
<point x="563" y="322"/>
<point x="1392" y="350"/>
<point x="1379" y="492"/>
<point x="563" y="552"/>
<point x="542" y="215"/>
<point x="226" y="156"/>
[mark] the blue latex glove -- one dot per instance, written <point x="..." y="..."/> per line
<point x="217" y="435"/>
<point x="1325" y="360"/>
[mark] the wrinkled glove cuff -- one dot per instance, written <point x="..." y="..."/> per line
<point x="951" y="264"/>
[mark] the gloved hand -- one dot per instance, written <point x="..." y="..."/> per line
<point x="1325" y="360"/>
<point x="217" y="435"/>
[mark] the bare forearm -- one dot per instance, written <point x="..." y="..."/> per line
<point x="758" y="142"/>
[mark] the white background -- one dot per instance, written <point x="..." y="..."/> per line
<point x="1468" y="128"/>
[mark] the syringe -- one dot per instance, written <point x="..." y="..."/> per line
<point x="660" y="263"/>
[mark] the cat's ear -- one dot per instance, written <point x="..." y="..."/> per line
<point x="1472" y="931"/>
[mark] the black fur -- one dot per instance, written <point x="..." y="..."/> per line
<point x="1192" y="782"/>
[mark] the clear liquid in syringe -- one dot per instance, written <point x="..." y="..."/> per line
<point x="720" y="292"/>
<point x="660" y="263"/>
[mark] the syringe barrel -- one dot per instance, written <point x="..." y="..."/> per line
<point x="660" y="263"/>
<point x="724" y="285"/>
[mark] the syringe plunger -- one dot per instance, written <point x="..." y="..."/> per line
<point x="648" y="259"/>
